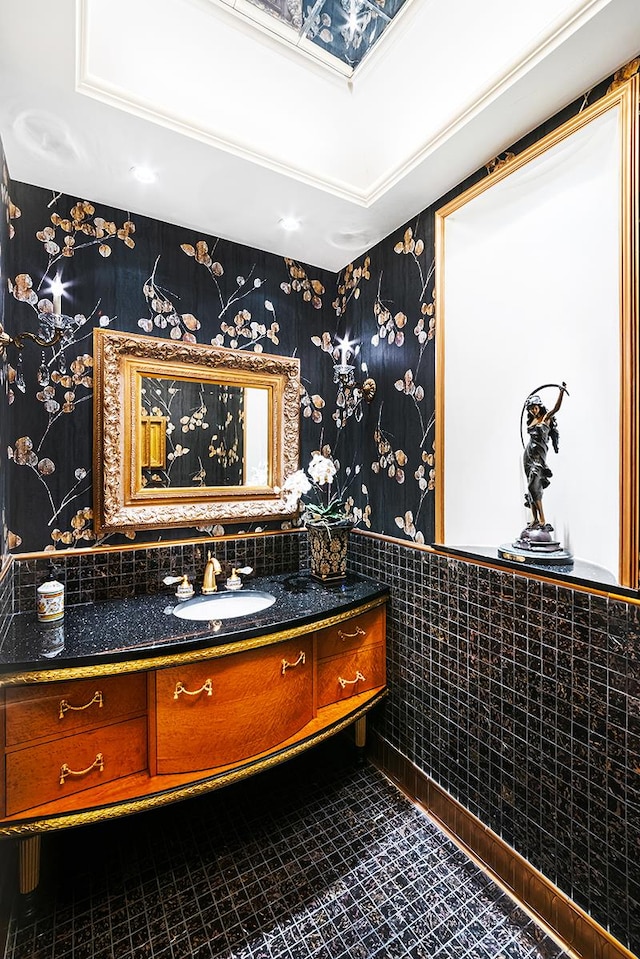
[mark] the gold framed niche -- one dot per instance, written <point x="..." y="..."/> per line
<point x="122" y="501"/>
<point x="536" y="286"/>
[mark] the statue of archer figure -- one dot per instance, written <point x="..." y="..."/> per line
<point x="542" y="428"/>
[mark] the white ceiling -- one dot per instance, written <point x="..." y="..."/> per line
<point x="243" y="128"/>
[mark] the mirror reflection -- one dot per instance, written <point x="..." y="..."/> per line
<point x="202" y="434"/>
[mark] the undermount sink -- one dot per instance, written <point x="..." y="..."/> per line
<point x="224" y="605"/>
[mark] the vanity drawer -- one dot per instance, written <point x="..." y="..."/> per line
<point x="365" y="630"/>
<point x="34" y="773"/>
<point x="58" y="709"/>
<point x="351" y="673"/>
<point x="228" y="709"/>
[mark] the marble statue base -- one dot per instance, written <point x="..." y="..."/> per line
<point x="535" y="557"/>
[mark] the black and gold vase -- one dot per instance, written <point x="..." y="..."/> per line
<point x="328" y="544"/>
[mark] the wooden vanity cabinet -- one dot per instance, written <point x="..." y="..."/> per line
<point x="99" y="741"/>
<point x="351" y="658"/>
<point x="226" y="710"/>
<point x="65" y="737"/>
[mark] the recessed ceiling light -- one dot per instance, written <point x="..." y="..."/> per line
<point x="290" y="223"/>
<point x="144" y="174"/>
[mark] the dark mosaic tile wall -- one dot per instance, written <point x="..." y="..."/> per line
<point x="6" y="600"/>
<point x="94" y="576"/>
<point x="522" y="699"/>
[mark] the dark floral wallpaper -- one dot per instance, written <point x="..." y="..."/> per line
<point x="7" y="214"/>
<point x="128" y="272"/>
<point x="131" y="273"/>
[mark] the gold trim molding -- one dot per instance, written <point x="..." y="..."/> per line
<point x="565" y="921"/>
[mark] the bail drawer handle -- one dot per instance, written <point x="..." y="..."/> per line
<point x="98" y="763"/>
<point x="301" y="660"/>
<point x="205" y="688"/>
<point x="64" y="705"/>
<point x="358" y="632"/>
<point x="351" y="682"/>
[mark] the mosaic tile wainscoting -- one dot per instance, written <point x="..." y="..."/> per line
<point x="111" y="574"/>
<point x="520" y="699"/>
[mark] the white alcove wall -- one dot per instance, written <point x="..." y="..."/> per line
<point x="531" y="286"/>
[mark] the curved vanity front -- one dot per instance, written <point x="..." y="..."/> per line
<point x="126" y="707"/>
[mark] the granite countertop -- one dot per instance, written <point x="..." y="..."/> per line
<point x="143" y="626"/>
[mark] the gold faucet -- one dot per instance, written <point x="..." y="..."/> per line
<point x="211" y="570"/>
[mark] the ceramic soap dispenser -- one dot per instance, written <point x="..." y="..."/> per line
<point x="50" y="597"/>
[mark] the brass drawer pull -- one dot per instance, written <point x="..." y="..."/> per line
<point x="351" y="682"/>
<point x="205" y="688"/>
<point x="64" y="705"/>
<point x="301" y="660"/>
<point x="98" y="763"/>
<point x="358" y="632"/>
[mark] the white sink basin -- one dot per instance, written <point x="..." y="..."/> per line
<point x="224" y="605"/>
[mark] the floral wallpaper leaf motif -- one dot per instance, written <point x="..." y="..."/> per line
<point x="625" y="73"/>
<point x="244" y="330"/>
<point x="311" y="290"/>
<point x="498" y="162"/>
<point x="12" y="212"/>
<point x="350" y="285"/>
<point x="67" y="234"/>
<point x="407" y="525"/>
<point x="311" y="405"/>
<point x="389" y="460"/>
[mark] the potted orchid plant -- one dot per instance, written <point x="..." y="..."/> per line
<point x="325" y="517"/>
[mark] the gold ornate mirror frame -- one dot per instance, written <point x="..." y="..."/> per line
<point x="124" y="438"/>
<point x="482" y="338"/>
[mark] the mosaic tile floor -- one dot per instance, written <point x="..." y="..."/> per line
<point x="319" y="858"/>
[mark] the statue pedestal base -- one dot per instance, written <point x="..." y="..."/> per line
<point x="535" y="557"/>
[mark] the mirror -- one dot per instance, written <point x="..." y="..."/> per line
<point x="186" y="434"/>
<point x="195" y="434"/>
<point x="537" y="284"/>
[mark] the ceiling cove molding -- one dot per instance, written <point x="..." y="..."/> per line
<point x="547" y="45"/>
<point x="99" y="90"/>
<point x="361" y="195"/>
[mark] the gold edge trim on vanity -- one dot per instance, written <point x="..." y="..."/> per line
<point x="129" y="807"/>
<point x="574" y="929"/>
<point x="177" y="659"/>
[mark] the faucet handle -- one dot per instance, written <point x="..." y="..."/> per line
<point x="171" y="580"/>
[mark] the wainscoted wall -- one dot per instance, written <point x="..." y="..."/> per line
<point x="522" y="700"/>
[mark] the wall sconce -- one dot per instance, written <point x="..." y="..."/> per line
<point x="350" y="392"/>
<point x="52" y="326"/>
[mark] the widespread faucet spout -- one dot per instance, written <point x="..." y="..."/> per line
<point x="211" y="570"/>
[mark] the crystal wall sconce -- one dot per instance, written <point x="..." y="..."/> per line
<point x="350" y="392"/>
<point x="52" y="327"/>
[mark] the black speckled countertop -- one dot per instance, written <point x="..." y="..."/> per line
<point x="144" y="626"/>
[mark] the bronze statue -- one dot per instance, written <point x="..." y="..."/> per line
<point x="541" y="427"/>
<point x="537" y="543"/>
